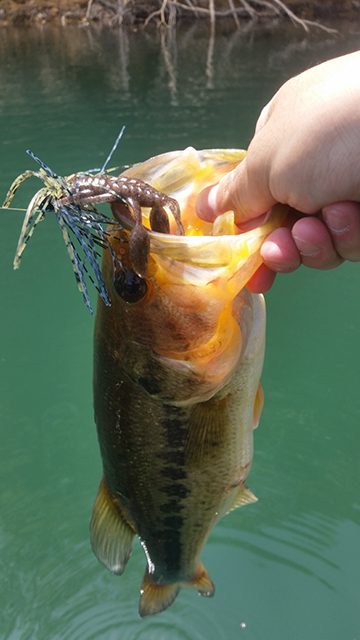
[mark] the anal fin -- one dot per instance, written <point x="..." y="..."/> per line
<point x="110" y="535"/>
<point x="154" y="597"/>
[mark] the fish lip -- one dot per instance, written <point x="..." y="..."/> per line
<point x="194" y="239"/>
<point x="202" y="153"/>
<point x="206" y="252"/>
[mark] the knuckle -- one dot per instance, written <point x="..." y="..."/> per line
<point x="351" y="253"/>
<point x="288" y="189"/>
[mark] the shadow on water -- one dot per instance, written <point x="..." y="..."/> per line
<point x="65" y="94"/>
<point x="149" y="81"/>
<point x="118" y="58"/>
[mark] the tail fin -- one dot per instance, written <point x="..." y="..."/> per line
<point x="154" y="597"/>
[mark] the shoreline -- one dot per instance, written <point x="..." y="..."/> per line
<point x="113" y="13"/>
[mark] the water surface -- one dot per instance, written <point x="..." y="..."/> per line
<point x="287" y="567"/>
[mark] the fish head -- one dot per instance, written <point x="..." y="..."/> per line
<point x="177" y="328"/>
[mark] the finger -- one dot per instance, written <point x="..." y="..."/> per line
<point x="314" y="243"/>
<point x="262" y="280"/>
<point x="263" y="117"/>
<point x="280" y="252"/>
<point x="248" y="225"/>
<point x="242" y="191"/>
<point x="343" y="221"/>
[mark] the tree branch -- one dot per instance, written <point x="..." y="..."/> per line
<point x="168" y="10"/>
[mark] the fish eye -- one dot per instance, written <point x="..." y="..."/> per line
<point x="129" y="286"/>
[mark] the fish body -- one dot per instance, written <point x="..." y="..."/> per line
<point x="177" y="364"/>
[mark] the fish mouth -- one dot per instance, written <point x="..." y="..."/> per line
<point x="199" y="260"/>
<point x="169" y="233"/>
<point x="207" y="250"/>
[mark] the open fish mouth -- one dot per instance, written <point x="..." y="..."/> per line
<point x="208" y="250"/>
<point x="142" y="198"/>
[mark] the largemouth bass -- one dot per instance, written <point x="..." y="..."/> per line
<point x="177" y="394"/>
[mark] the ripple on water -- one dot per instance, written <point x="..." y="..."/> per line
<point x="69" y="596"/>
<point x="119" y="621"/>
<point x="97" y="612"/>
<point x="303" y="544"/>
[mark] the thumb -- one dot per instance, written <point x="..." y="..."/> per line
<point x="238" y="191"/>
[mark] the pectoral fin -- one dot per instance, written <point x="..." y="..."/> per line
<point x="207" y="426"/>
<point x="110" y="535"/>
<point x="258" y="405"/>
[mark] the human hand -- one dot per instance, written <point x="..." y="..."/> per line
<point x="305" y="153"/>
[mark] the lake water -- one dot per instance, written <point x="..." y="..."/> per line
<point x="286" y="567"/>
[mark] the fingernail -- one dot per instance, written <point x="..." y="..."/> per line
<point x="306" y="248"/>
<point x="212" y="198"/>
<point x="206" y="203"/>
<point x="335" y="220"/>
<point x="282" y="268"/>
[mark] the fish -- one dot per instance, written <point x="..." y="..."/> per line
<point x="178" y="357"/>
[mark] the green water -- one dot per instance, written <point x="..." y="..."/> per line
<point x="285" y="568"/>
